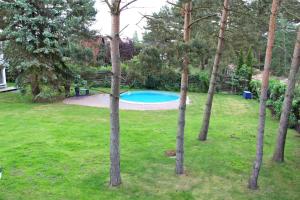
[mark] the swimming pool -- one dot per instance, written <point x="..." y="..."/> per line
<point x="149" y="97"/>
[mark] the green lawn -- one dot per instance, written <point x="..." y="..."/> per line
<point x="57" y="151"/>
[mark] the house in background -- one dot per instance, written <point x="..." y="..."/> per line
<point x="101" y="45"/>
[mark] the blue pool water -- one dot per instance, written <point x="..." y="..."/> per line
<point x="149" y="96"/>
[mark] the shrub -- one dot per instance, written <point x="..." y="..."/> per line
<point x="276" y="92"/>
<point x="255" y="86"/>
<point x="48" y="94"/>
<point x="166" y="78"/>
<point x="276" y="89"/>
<point x="199" y="82"/>
<point x="241" y="77"/>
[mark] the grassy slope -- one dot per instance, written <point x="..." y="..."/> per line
<point x="56" y="151"/>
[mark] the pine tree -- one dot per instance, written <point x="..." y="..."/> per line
<point x="240" y="59"/>
<point x="115" y="9"/>
<point x="213" y="80"/>
<point x="287" y="104"/>
<point x="249" y="63"/>
<point x="35" y="35"/>
<point x="183" y="91"/>
<point x="263" y="97"/>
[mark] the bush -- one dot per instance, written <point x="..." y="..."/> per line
<point x="166" y="78"/>
<point x="148" y="71"/>
<point x="255" y="86"/>
<point x="199" y="82"/>
<point x="241" y="78"/>
<point x="48" y="94"/>
<point x="276" y="92"/>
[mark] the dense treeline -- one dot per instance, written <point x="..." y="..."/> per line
<point x="246" y="29"/>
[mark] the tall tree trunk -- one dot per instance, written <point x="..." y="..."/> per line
<point x="67" y="87"/>
<point x="202" y="64"/>
<point x="183" y="93"/>
<point x="115" y="176"/>
<point x="263" y="97"/>
<point x="213" y="79"/>
<point x="289" y="93"/>
<point x="35" y="86"/>
<point x="115" y="10"/>
<point x="285" y="51"/>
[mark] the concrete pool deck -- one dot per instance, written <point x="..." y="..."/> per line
<point x="102" y="101"/>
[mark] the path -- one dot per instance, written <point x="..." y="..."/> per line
<point x="102" y="101"/>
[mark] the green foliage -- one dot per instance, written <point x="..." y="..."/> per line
<point x="276" y="89"/>
<point x="255" y="88"/>
<point x="249" y="62"/>
<point x="48" y="94"/>
<point x="249" y="58"/>
<point x="38" y="31"/>
<point x="150" y="60"/>
<point x="285" y="37"/>
<point x="242" y="76"/>
<point x="164" y="31"/>
<point x="138" y="46"/>
<point x="200" y="52"/>
<point x="148" y="71"/>
<point x="240" y="59"/>
<point x="247" y="27"/>
<point x="132" y="70"/>
<point x="199" y="81"/>
<point x="78" y="54"/>
<point x="149" y="66"/>
<point x="276" y="92"/>
<point x="144" y="70"/>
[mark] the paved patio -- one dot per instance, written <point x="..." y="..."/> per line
<point x="102" y="101"/>
<point x="8" y="89"/>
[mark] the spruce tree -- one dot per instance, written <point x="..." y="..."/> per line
<point x="35" y="33"/>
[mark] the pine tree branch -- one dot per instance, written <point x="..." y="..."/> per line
<point x="150" y="17"/>
<point x="199" y="19"/>
<point x="127" y="4"/>
<point x="123" y="29"/>
<point x="118" y="6"/>
<point x="4" y="37"/>
<point x="290" y="13"/>
<point x="7" y="1"/>
<point x="173" y="4"/>
<point x="108" y="4"/>
<point x="200" y="8"/>
<point x="109" y="37"/>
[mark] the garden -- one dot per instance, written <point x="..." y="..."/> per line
<point x="201" y="101"/>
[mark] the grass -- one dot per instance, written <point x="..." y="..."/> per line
<point x="57" y="151"/>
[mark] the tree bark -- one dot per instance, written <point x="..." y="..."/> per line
<point x="5" y="37"/>
<point x="183" y="93"/>
<point x="287" y="104"/>
<point x="67" y="87"/>
<point x="35" y="86"/>
<point x="213" y="79"/>
<point x="115" y="10"/>
<point x="263" y="97"/>
<point x="115" y="175"/>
